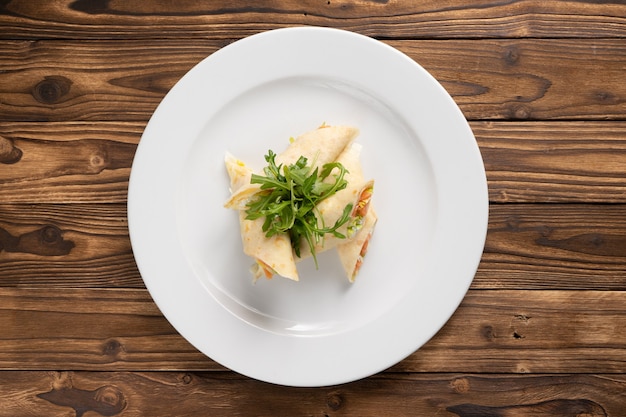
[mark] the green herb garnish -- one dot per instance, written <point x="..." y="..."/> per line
<point x="288" y="198"/>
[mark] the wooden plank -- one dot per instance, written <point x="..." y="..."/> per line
<point x="528" y="332"/>
<point x="547" y="162"/>
<point x="69" y="162"/>
<point x="554" y="246"/>
<point x="534" y="79"/>
<point x="92" y="80"/>
<point x="492" y="332"/>
<point x="90" y="329"/>
<point x="547" y="246"/>
<point x="223" y="19"/>
<point x="455" y="395"/>
<point x="79" y="245"/>
<point x="554" y="162"/>
<point x="528" y="79"/>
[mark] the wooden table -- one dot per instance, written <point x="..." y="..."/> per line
<point x="542" y="331"/>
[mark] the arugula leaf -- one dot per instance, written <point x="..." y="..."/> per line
<point x="288" y="198"/>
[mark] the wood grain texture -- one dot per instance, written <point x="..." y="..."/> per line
<point x="528" y="79"/>
<point x="540" y="332"/>
<point x="503" y="331"/>
<point x="69" y="162"/>
<point x="554" y="162"/>
<point x="554" y="246"/>
<point x="528" y="332"/>
<point x="519" y="79"/>
<point x="528" y="246"/>
<point x="90" y="329"/>
<point x="546" y="162"/>
<point x="58" y="245"/>
<point x="92" y="80"/>
<point x="88" y="19"/>
<point x="129" y="394"/>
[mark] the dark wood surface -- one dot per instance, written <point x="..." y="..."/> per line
<point x="542" y="330"/>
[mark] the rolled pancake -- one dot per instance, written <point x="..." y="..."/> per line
<point x="358" y="193"/>
<point x="320" y="146"/>
<point x="273" y="255"/>
<point x="238" y="172"/>
<point x="352" y="252"/>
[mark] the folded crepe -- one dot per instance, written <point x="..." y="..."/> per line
<point x="352" y="252"/>
<point x="358" y="193"/>
<point x="272" y="255"/>
<point x="320" y="146"/>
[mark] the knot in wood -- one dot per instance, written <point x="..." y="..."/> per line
<point x="334" y="401"/>
<point x="62" y="380"/>
<point x="98" y="161"/>
<point x="488" y="332"/>
<point x="111" y="396"/>
<point x="460" y="385"/>
<point x="545" y="230"/>
<point x="596" y="239"/>
<point x="50" y="235"/>
<point x="51" y="89"/>
<point x="112" y="348"/>
<point x="605" y="97"/>
<point x="9" y="153"/>
<point x="521" y="368"/>
<point x="106" y="400"/>
<point x="513" y="223"/>
<point x="511" y="56"/>
<point x="97" y="155"/>
<point x="520" y="112"/>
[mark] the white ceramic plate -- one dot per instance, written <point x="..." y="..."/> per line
<point x="431" y="199"/>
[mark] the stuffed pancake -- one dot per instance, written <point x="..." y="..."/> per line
<point x="272" y="255"/>
<point x="320" y="146"/>
<point x="352" y="252"/>
<point x="356" y="197"/>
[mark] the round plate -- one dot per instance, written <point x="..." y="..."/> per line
<point x="430" y="197"/>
